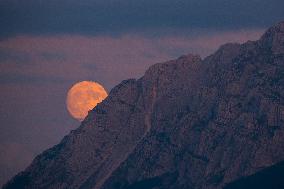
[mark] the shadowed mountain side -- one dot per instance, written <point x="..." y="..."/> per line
<point x="228" y="125"/>
<point x="271" y="177"/>
<point x="187" y="123"/>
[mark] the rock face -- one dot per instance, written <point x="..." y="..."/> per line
<point x="187" y="123"/>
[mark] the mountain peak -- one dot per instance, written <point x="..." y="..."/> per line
<point x="190" y="57"/>
<point x="273" y="38"/>
<point x="185" y="62"/>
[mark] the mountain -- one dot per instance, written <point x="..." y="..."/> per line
<point x="271" y="177"/>
<point x="187" y="123"/>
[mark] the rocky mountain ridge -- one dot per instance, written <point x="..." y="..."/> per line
<point x="187" y="123"/>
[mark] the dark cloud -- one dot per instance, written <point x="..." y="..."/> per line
<point x="29" y="79"/>
<point x="11" y="56"/>
<point x="93" y="67"/>
<point x="113" y="16"/>
<point x="53" y="56"/>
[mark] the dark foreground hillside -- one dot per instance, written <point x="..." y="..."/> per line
<point x="271" y="177"/>
<point x="186" y="124"/>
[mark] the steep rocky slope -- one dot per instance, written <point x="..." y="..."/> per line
<point x="187" y="123"/>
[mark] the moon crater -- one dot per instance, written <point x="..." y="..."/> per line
<point x="84" y="96"/>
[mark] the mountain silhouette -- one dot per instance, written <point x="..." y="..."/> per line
<point x="186" y="124"/>
<point x="271" y="177"/>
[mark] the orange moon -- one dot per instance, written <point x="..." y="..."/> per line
<point x="84" y="96"/>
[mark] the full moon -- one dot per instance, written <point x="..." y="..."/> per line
<point x="84" y="96"/>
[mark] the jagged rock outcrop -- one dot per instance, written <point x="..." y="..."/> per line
<point x="187" y="123"/>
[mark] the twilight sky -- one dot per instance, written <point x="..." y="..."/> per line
<point x="48" y="45"/>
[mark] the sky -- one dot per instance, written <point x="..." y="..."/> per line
<point x="48" y="45"/>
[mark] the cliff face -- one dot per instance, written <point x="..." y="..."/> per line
<point x="187" y="123"/>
